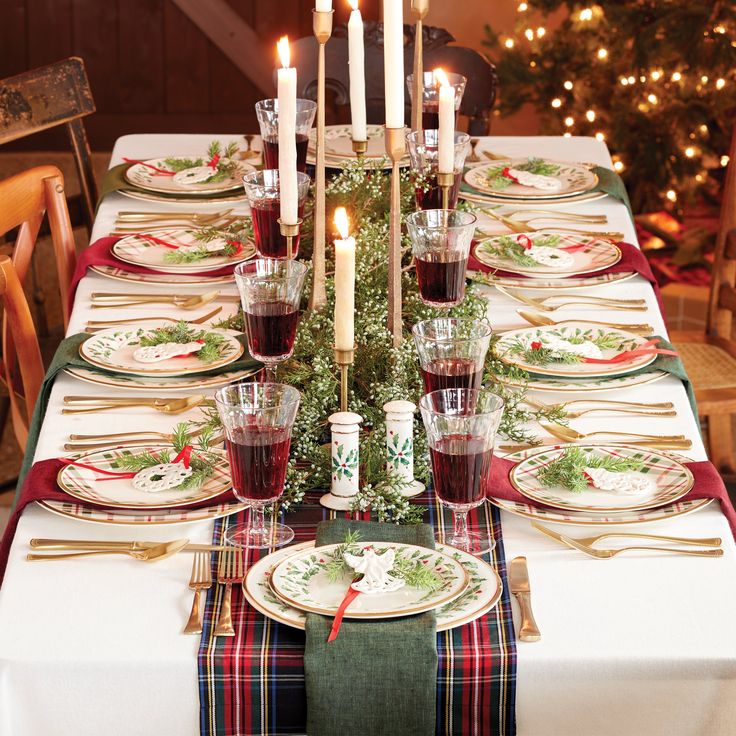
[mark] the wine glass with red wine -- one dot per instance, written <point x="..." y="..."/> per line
<point x="461" y="428"/>
<point x="440" y="243"/>
<point x="431" y="97"/>
<point x="267" y="112"/>
<point x="270" y="291"/>
<point x="264" y="196"/>
<point x="258" y="419"/>
<point x="424" y="154"/>
<point x="452" y="352"/>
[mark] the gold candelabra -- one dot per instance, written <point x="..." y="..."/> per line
<point x="322" y="26"/>
<point x="395" y="148"/>
<point x="419" y="9"/>
<point x="344" y="359"/>
<point x="289" y="232"/>
<point x="445" y="180"/>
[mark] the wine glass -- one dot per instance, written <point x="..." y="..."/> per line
<point x="431" y="96"/>
<point x="440" y="243"/>
<point x="270" y="291"/>
<point x="258" y="419"/>
<point x="461" y="426"/>
<point x="424" y="154"/>
<point x="267" y="112"/>
<point x="452" y="352"/>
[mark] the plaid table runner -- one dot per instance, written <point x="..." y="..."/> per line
<point x="253" y="684"/>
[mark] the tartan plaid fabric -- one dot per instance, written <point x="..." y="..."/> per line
<point x="253" y="684"/>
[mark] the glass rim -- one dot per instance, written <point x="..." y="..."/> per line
<point x="459" y="79"/>
<point x="300" y="267"/>
<point x="269" y="105"/>
<point x="252" y="176"/>
<point x="460" y="136"/>
<point x="413" y="216"/>
<point x="456" y="320"/>
<point x="290" y="396"/>
<point x="425" y="403"/>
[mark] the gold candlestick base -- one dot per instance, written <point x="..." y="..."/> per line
<point x="344" y="359"/>
<point x="360" y="148"/>
<point x="446" y="180"/>
<point x="395" y="148"/>
<point x="289" y="232"/>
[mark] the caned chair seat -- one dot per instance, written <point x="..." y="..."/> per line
<point x="708" y="366"/>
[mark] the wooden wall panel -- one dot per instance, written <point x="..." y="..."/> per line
<point x="49" y="29"/>
<point x="13" y="50"/>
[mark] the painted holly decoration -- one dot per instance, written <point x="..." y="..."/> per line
<point x="344" y="463"/>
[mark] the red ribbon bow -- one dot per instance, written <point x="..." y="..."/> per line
<point x="627" y="355"/>
<point x="161" y="172"/>
<point x="183" y="457"/>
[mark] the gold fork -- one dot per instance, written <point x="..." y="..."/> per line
<point x="556" y="215"/>
<point x="132" y="216"/>
<point x="102" y="324"/>
<point x="540" y="320"/>
<point x="230" y="572"/>
<point x="626" y="305"/>
<point x="522" y="227"/>
<point x="110" y="444"/>
<point x="167" y="406"/>
<point x="568" y="434"/>
<point x="147" y="227"/>
<point x="200" y="580"/>
<point x="651" y="410"/>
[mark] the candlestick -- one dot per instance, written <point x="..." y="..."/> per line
<point x="446" y="139"/>
<point x="395" y="148"/>
<point x="343" y="360"/>
<point x="289" y="194"/>
<point x="445" y="180"/>
<point x="356" y="69"/>
<point x="393" y="62"/>
<point x="360" y="148"/>
<point x="322" y="26"/>
<point x="419" y="9"/>
<point x="400" y="445"/>
<point x="344" y="283"/>
<point x="290" y="231"/>
<point x="345" y="448"/>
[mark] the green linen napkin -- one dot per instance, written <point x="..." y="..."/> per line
<point x="115" y="181"/>
<point x="67" y="356"/>
<point x="378" y="678"/>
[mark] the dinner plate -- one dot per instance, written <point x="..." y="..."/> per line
<point x="339" y="146"/>
<point x="550" y="284"/>
<point x="575" y="179"/>
<point x="672" y="481"/>
<point x="482" y="594"/>
<point x="176" y="383"/>
<point x="585" y="385"/>
<point x="144" y="177"/>
<point x="169" y="199"/>
<point x="113" y="349"/>
<point x="302" y="581"/>
<point x="481" y="199"/>
<point x="563" y="255"/>
<point x="583" y="518"/>
<point x="138" y="250"/>
<point x="86" y="486"/>
<point x="518" y="348"/>
<point x="120" y="274"/>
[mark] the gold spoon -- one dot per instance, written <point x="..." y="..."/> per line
<point x="634" y="305"/>
<point x="132" y="300"/>
<point x="102" y="324"/>
<point x="540" y="320"/>
<point x="567" y="434"/>
<point x="167" y="406"/>
<point x="151" y="554"/>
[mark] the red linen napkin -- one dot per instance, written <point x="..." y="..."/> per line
<point x="632" y="259"/>
<point x="40" y="485"/>
<point x="99" y="253"/>
<point x="708" y="484"/>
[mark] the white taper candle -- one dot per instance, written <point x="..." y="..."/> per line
<point x="446" y="152"/>
<point x="356" y="55"/>
<point x="323" y="6"/>
<point x="344" y="283"/>
<point x="288" y="188"/>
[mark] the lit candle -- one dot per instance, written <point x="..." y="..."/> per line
<point x="323" y="6"/>
<point x="289" y="194"/>
<point x="393" y="61"/>
<point x="446" y="153"/>
<point x="356" y="53"/>
<point x="344" y="283"/>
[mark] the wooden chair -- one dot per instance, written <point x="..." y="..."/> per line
<point x="710" y="356"/>
<point x="56" y="94"/>
<point x="480" y="92"/>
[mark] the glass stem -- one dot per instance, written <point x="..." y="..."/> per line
<point x="461" y="525"/>
<point x="271" y="372"/>
<point x="257" y="520"/>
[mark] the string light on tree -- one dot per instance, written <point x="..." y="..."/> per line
<point x="509" y="43"/>
<point x="590" y="115"/>
<point x="586" y="14"/>
<point x="602" y="54"/>
<point x="557" y="102"/>
<point x="569" y="122"/>
<point x="690" y="152"/>
<point x="720" y="83"/>
<point x="671" y="195"/>
<point x="676" y="77"/>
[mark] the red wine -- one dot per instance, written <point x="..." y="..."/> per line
<point x="267" y="232"/>
<point x="432" y="198"/>
<point x="451" y="373"/>
<point x="271" y="153"/>
<point x="271" y="328"/>
<point x="258" y="458"/>
<point x="461" y="469"/>
<point x="441" y="282"/>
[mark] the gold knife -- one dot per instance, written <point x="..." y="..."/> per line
<point x="80" y="544"/>
<point x="519" y="584"/>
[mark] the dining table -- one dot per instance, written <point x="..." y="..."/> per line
<point x="642" y="644"/>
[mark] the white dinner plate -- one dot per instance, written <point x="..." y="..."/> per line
<point x="144" y="177"/>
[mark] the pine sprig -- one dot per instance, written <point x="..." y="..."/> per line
<point x="223" y="169"/>
<point x="510" y="249"/>
<point x="182" y="333"/>
<point x="537" y="353"/>
<point x="496" y="180"/>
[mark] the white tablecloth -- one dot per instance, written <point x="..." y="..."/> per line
<point x="640" y="645"/>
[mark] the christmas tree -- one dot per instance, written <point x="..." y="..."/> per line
<point x="655" y="79"/>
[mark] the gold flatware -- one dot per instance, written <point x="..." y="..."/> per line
<point x="200" y="580"/>
<point x="132" y="216"/>
<point x="111" y="444"/>
<point x="631" y="410"/>
<point x="633" y="305"/>
<point x="518" y="226"/>
<point x="494" y="156"/>
<point x="103" y="324"/>
<point x="115" y="301"/>
<point x="125" y="435"/>
<point x="567" y="434"/>
<point x="556" y="215"/>
<point x="152" y="226"/>
<point x="519" y="585"/>
<point x="540" y="320"/>
<point x="167" y="406"/>
<point x="606" y="554"/>
<point x="473" y="156"/>
<point x="101" y="544"/>
<point x="229" y="572"/>
<point x="649" y="444"/>
<point x="150" y="554"/>
<point x="589" y="541"/>
<point x="139" y="400"/>
<point x="602" y="403"/>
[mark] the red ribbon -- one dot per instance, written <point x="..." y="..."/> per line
<point x="214" y="161"/>
<point x="507" y="173"/>
<point x="525" y="240"/>
<point x="237" y="245"/>
<point x="162" y="172"/>
<point x="157" y="241"/>
<point x="350" y="596"/>
<point x="627" y="355"/>
<point x="183" y="457"/>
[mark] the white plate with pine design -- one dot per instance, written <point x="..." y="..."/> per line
<point x="482" y="594"/>
<point x="541" y="255"/>
<point x="144" y="175"/>
<point x="84" y="484"/>
<point x="670" y="480"/>
<point x="303" y="581"/>
<point x="585" y="385"/>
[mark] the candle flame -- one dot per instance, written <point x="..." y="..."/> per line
<point x="342" y="223"/>
<point x="353" y="4"/>
<point x="284" y="52"/>
<point x="440" y="77"/>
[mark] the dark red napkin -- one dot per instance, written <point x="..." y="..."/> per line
<point x="99" y="253"/>
<point x="708" y="484"/>
<point x="40" y="485"/>
<point x="632" y="259"/>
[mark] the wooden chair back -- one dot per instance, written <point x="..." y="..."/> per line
<point x="19" y="325"/>
<point x="55" y="94"/>
<point x="722" y="304"/>
<point x="480" y="92"/>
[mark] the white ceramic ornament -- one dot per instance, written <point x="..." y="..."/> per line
<point x="212" y="247"/>
<point x="162" y="477"/>
<point x="375" y="569"/>
<point x="551" y="257"/>
<point x="537" y="181"/>
<point x="400" y="445"/>
<point x="195" y="175"/>
<point x="345" y="429"/>
<point x="630" y="484"/>
<point x="166" y="350"/>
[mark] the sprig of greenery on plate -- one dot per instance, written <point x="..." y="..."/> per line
<point x="181" y="332"/>
<point x="496" y="180"/>
<point x="224" y="168"/>
<point x="568" y="470"/>
<point x="236" y="237"/>
<point x="510" y="249"/>
<point x="536" y="353"/>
